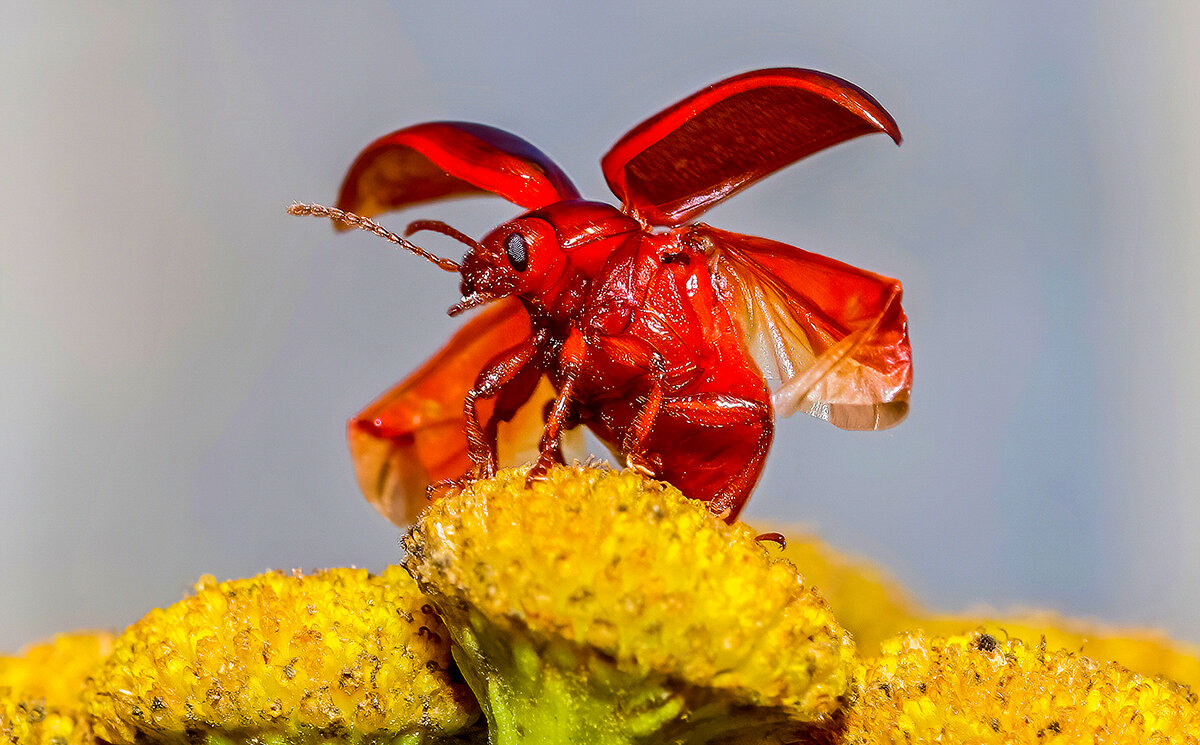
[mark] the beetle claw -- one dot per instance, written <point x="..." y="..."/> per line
<point x="643" y="464"/>
<point x="537" y="472"/>
<point x="443" y="488"/>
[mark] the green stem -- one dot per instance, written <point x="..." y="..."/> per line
<point x="552" y="691"/>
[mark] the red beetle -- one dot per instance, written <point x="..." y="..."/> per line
<point x="676" y="343"/>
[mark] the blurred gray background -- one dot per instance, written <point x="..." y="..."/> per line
<point x="178" y="357"/>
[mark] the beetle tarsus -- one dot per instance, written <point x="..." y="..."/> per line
<point x="539" y="469"/>
<point x="777" y="538"/>
<point x="641" y="463"/>
<point x="445" y="487"/>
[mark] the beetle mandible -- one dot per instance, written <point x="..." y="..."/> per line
<point x="676" y="343"/>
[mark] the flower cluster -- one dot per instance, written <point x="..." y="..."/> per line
<point x="626" y="579"/>
<point x="337" y="654"/>
<point x="41" y="689"/>
<point x="590" y="607"/>
<point x="875" y="609"/>
<point x="980" y="689"/>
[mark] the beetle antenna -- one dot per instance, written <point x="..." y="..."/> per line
<point x="438" y="226"/>
<point x="363" y="223"/>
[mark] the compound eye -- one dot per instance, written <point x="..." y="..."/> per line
<point x="517" y="251"/>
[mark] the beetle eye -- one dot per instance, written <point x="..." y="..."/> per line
<point x="517" y="251"/>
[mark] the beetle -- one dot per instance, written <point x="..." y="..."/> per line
<point x="674" y="342"/>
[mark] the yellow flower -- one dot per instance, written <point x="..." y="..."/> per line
<point x="980" y="689"/>
<point x="874" y="608"/>
<point x="337" y="655"/>
<point x="598" y="606"/>
<point x="40" y="689"/>
<point x="1142" y="651"/>
<point x="871" y="605"/>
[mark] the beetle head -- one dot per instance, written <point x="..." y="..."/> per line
<point x="517" y="258"/>
<point x="545" y="256"/>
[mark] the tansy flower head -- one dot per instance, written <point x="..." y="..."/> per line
<point x="597" y="605"/>
<point x="874" y="608"/>
<point x="41" y="689"/>
<point x="337" y="655"/>
<point x="868" y="603"/>
<point x="982" y="689"/>
<point x="1143" y="651"/>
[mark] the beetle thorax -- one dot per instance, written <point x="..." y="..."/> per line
<point x="547" y="257"/>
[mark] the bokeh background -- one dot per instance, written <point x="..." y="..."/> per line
<point x="178" y="357"/>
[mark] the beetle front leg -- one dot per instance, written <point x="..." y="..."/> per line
<point x="481" y="440"/>
<point x="571" y="361"/>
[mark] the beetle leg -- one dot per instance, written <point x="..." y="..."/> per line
<point x="439" y="489"/>
<point x="722" y="410"/>
<point x="739" y="487"/>
<point x="573" y="419"/>
<point x="571" y="361"/>
<point x="551" y="445"/>
<point x="481" y="440"/>
<point x="634" y="443"/>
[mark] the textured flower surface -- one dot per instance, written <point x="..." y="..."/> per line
<point x="40" y="689"/>
<point x="592" y="608"/>
<point x="606" y="606"/>
<point x="864" y="599"/>
<point x="337" y="655"/>
<point x="875" y="608"/>
<point x="980" y="689"/>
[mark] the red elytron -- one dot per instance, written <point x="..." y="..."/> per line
<point x="676" y="343"/>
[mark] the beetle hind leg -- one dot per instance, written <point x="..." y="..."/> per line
<point x="737" y="491"/>
<point x="713" y="447"/>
